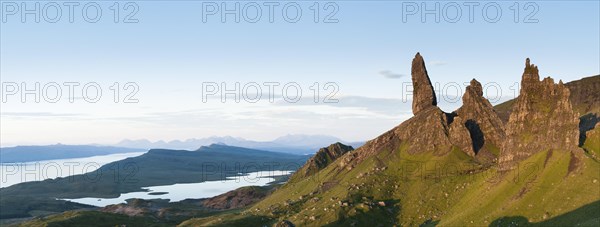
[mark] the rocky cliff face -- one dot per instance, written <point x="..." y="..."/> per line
<point x="542" y="118"/>
<point x="471" y="127"/>
<point x="423" y="93"/>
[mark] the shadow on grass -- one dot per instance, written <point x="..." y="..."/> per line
<point x="588" y="215"/>
<point x="430" y="223"/>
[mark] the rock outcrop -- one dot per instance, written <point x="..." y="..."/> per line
<point x="322" y="159"/>
<point x="485" y="128"/>
<point x="423" y="93"/>
<point x="542" y="118"/>
<point x="433" y="130"/>
<point x="584" y="99"/>
<point x="428" y="131"/>
<point x="480" y="118"/>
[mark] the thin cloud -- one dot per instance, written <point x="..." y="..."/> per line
<point x="391" y="75"/>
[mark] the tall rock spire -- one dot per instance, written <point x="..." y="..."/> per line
<point x="423" y="93"/>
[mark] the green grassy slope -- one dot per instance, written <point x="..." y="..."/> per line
<point x="395" y="188"/>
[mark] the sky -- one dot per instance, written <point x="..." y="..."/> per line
<point x="161" y="67"/>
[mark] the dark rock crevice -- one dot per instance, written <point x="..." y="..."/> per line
<point x="477" y="136"/>
<point x="586" y="123"/>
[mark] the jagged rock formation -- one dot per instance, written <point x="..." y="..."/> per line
<point x="542" y="118"/>
<point x="322" y="159"/>
<point x="584" y="98"/>
<point x="479" y="116"/>
<point x="423" y="93"/>
<point x="431" y="129"/>
<point x="485" y="128"/>
<point x="413" y="174"/>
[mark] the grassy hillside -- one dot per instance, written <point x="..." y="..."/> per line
<point x="394" y="188"/>
<point x="551" y="188"/>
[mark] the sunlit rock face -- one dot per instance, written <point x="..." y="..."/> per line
<point x="423" y="93"/>
<point x="542" y="118"/>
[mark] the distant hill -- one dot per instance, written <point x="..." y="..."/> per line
<point x="293" y="143"/>
<point x="156" y="167"/>
<point x="58" y="151"/>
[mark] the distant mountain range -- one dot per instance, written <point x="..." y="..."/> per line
<point x="291" y="144"/>
<point x="295" y="144"/>
<point x="58" y="151"/>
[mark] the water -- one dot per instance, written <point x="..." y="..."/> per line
<point x="178" y="192"/>
<point x="15" y="173"/>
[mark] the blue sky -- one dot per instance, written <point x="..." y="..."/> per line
<point x="170" y="52"/>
